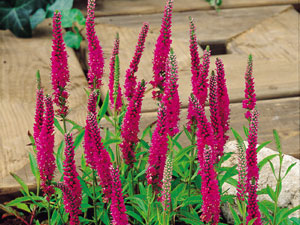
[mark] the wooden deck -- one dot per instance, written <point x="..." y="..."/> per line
<point x="268" y="29"/>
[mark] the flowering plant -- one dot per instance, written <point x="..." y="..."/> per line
<point x="131" y="177"/>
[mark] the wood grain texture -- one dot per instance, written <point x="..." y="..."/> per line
<point x="131" y="7"/>
<point x="274" y="77"/>
<point x="20" y="59"/>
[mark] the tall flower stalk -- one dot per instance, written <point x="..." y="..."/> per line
<point x="95" y="53"/>
<point x="161" y="52"/>
<point x="39" y="110"/>
<point x="252" y="170"/>
<point x="59" y="68"/>
<point x="45" y="149"/>
<point x="118" y="210"/>
<point x="115" y="94"/>
<point x="130" y="125"/>
<point x="72" y="201"/>
<point x="130" y="78"/>
<point x="249" y="102"/>
<point x="170" y="98"/>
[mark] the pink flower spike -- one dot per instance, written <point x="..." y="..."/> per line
<point x="102" y="161"/>
<point x="114" y="87"/>
<point x="130" y="125"/>
<point x="130" y="78"/>
<point x="118" y="210"/>
<point x="250" y="97"/>
<point x="252" y="207"/>
<point x="166" y="186"/>
<point x="39" y="112"/>
<point x="92" y="102"/>
<point x="72" y="205"/>
<point x="158" y="150"/>
<point x="223" y="99"/>
<point x="215" y="115"/>
<point x="170" y="97"/>
<point x="45" y="146"/>
<point x="242" y="174"/>
<point x="59" y="67"/>
<point x="95" y="53"/>
<point x="161" y="52"/>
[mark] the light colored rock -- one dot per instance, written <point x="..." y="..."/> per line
<point x="290" y="194"/>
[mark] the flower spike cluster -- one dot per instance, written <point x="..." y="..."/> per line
<point x="71" y="182"/>
<point x="118" y="210"/>
<point x="215" y="114"/>
<point x="158" y="150"/>
<point x="250" y="96"/>
<point x="39" y="112"/>
<point x="102" y="161"/>
<point x="115" y="94"/>
<point x="166" y="186"/>
<point x="252" y="170"/>
<point x="45" y="146"/>
<point x="161" y="52"/>
<point x="171" y="97"/>
<point x="59" y="67"/>
<point x="130" y="78"/>
<point x="95" y="53"/>
<point x="130" y="125"/>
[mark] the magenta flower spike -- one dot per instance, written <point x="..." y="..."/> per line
<point x="39" y="113"/>
<point x="89" y="148"/>
<point x="118" y="210"/>
<point x="170" y="97"/>
<point x="250" y="97"/>
<point x="252" y="170"/>
<point x="252" y="207"/>
<point x="59" y="68"/>
<point x="71" y="182"/>
<point x="101" y="157"/>
<point x="130" y="125"/>
<point x="242" y="174"/>
<point x="209" y="189"/>
<point x="215" y="114"/>
<point x="223" y="99"/>
<point x="166" y="184"/>
<point x="161" y="52"/>
<point x="95" y="53"/>
<point x="130" y="78"/>
<point x="45" y="146"/>
<point x="114" y="87"/>
<point x="251" y="155"/>
<point x="158" y="150"/>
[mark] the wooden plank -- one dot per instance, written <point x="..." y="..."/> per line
<point x="274" y="77"/>
<point x="129" y="7"/>
<point x="20" y="59"/>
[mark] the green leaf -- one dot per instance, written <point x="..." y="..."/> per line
<point x="271" y="193"/>
<point x="262" y="145"/>
<point x="239" y="139"/>
<point x="59" y="5"/>
<point x="183" y="152"/>
<point x="288" y="170"/>
<point x="21" y="182"/>
<point x="85" y="187"/>
<point x="135" y="216"/>
<point x="37" y="18"/>
<point x="59" y="157"/>
<point x="229" y="173"/>
<point x="57" y="125"/>
<point x="285" y="215"/>
<point x="103" y="108"/>
<point x="235" y="215"/>
<point x="78" y="139"/>
<point x="145" y="144"/>
<point x="266" y="160"/>
<point x="72" y="40"/>
<point x="187" y="133"/>
<point x="112" y="141"/>
<point x="71" y="16"/>
<point x="14" y="15"/>
<point x="265" y="210"/>
<point x="295" y="220"/>
<point x="251" y="221"/>
<point x="33" y="166"/>
<point x="277" y="140"/>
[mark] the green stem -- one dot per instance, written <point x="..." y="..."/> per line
<point x="244" y="212"/>
<point x="94" y="197"/>
<point x="58" y="208"/>
<point x="148" y="214"/>
<point x="65" y="125"/>
<point x="277" y="189"/>
<point x="49" y="213"/>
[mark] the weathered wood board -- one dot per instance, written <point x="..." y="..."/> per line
<point x="274" y="76"/>
<point x="130" y="7"/>
<point x="20" y="59"/>
<point x="280" y="114"/>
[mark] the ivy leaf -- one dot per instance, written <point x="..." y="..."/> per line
<point x="71" y="16"/>
<point x="59" y="5"/>
<point x="15" y="17"/>
<point x="72" y="40"/>
<point x="37" y="18"/>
